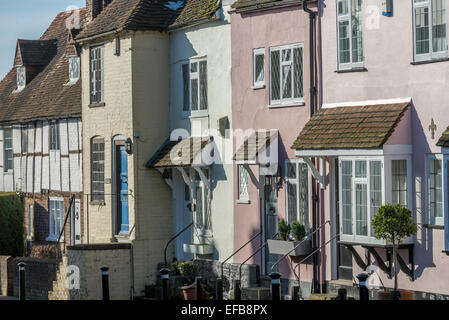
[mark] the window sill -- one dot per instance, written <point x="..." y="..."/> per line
<point x="258" y="87"/>
<point x="71" y="83"/>
<point x="53" y="238"/>
<point x="433" y="226"/>
<point x="97" y="105"/>
<point x="287" y="105"/>
<point x="417" y="63"/>
<point x="195" y="115"/>
<point x="243" y="201"/>
<point x="359" y="69"/>
<point x="97" y="203"/>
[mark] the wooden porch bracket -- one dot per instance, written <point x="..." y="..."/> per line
<point x="408" y="269"/>
<point x="356" y="256"/>
<point x="319" y="176"/>
<point x="169" y="182"/>
<point x="380" y="262"/>
<point x="252" y="176"/>
<point x="203" y="177"/>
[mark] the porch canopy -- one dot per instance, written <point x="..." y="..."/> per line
<point x="354" y="128"/>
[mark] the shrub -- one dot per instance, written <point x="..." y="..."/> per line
<point x="11" y="225"/>
<point x="284" y="230"/>
<point x="298" y="231"/>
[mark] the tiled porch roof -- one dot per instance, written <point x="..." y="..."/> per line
<point x="258" y="142"/>
<point x="444" y="140"/>
<point x="179" y="153"/>
<point x="351" y="127"/>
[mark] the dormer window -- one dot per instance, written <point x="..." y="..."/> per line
<point x="21" y="79"/>
<point x="74" y="69"/>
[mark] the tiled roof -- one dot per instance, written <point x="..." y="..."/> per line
<point x="444" y="140"/>
<point x="35" y="52"/>
<point x="46" y="95"/>
<point x="355" y="127"/>
<point x="240" y="4"/>
<point x="156" y="15"/>
<point x="257" y="143"/>
<point x="179" y="153"/>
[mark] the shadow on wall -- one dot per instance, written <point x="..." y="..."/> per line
<point x="424" y="242"/>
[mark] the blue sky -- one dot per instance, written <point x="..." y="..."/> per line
<point x="26" y="19"/>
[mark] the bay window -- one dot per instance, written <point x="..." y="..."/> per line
<point x="297" y="195"/>
<point x="362" y="194"/>
<point x="286" y="75"/>
<point x="435" y="189"/>
<point x="350" y="35"/>
<point x="399" y="182"/>
<point x="430" y="29"/>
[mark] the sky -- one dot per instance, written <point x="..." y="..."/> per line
<point x="26" y="19"/>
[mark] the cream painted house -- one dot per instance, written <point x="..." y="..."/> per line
<point x="200" y="114"/>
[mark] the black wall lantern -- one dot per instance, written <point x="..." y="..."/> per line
<point x="129" y="146"/>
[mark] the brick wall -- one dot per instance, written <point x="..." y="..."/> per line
<point x="39" y="277"/>
<point x="89" y="259"/>
<point x="6" y="275"/>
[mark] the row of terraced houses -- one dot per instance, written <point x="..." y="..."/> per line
<point x="128" y="120"/>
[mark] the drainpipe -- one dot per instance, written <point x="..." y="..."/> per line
<point x="315" y="211"/>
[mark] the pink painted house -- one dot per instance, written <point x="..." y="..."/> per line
<point x="271" y="103"/>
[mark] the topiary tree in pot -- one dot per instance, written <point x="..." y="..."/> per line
<point x="394" y="223"/>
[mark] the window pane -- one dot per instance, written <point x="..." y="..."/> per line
<point x="185" y="80"/>
<point x="436" y="188"/>
<point x="243" y="183"/>
<point x="298" y="70"/>
<point x="203" y="85"/>
<point x="360" y="169"/>
<point x="375" y="188"/>
<point x="259" y="68"/>
<point x="275" y="76"/>
<point x="361" y="210"/>
<point x="291" y="170"/>
<point x="343" y="7"/>
<point x="194" y="94"/>
<point x="356" y="18"/>
<point x="292" y="202"/>
<point x="286" y="82"/>
<point x="344" y="45"/>
<point x="439" y="25"/>
<point x="399" y="182"/>
<point x="422" y="30"/>
<point x="97" y="170"/>
<point x="304" y="194"/>
<point x="346" y="190"/>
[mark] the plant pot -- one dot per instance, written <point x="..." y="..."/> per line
<point x="189" y="292"/>
<point x="283" y="247"/>
<point x="404" y="294"/>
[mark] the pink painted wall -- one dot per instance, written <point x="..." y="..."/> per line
<point x="265" y="29"/>
<point x="388" y="52"/>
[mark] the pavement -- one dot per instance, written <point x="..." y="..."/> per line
<point x="7" y="298"/>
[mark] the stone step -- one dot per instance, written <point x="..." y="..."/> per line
<point x="256" y="293"/>
<point x="322" y="296"/>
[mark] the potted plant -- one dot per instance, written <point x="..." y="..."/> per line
<point x="186" y="270"/>
<point x="298" y="247"/>
<point x="394" y="223"/>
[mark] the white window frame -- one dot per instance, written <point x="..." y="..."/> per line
<point x="256" y="53"/>
<point x="18" y="71"/>
<point x="73" y="78"/>
<point x="97" y="196"/>
<point x="54" y="234"/>
<point x="92" y="84"/>
<point x="342" y="18"/>
<point x="6" y="168"/>
<point x="388" y="163"/>
<point x="431" y="55"/>
<point x="287" y="102"/>
<point x="295" y="181"/>
<point x="354" y="238"/>
<point x="446" y="199"/>
<point x="438" y="221"/>
<point x="195" y="75"/>
<point x="241" y="198"/>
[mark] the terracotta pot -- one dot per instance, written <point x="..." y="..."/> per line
<point x="385" y="295"/>
<point x="388" y="295"/>
<point x="189" y="292"/>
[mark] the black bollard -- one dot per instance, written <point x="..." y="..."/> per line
<point x="165" y="275"/>
<point x="342" y="294"/>
<point x="363" y="289"/>
<point x="22" y="295"/>
<point x="199" y="288"/>
<point x="219" y="289"/>
<point x="275" y="286"/>
<point x="237" y="290"/>
<point x="105" y="282"/>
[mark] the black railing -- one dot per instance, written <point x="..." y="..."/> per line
<point x="301" y="242"/>
<point x="173" y="239"/>
<point x="237" y="251"/>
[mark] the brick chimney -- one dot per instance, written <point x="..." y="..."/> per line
<point x="95" y="7"/>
